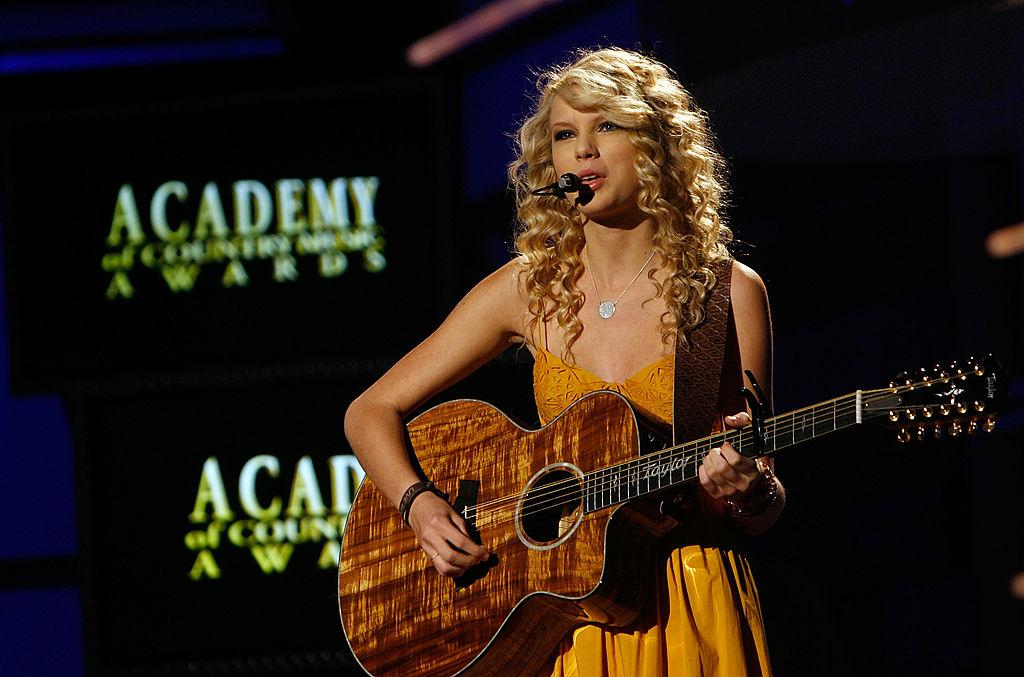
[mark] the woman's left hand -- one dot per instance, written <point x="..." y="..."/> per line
<point x="725" y="473"/>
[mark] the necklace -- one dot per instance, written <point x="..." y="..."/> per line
<point x="607" y="308"/>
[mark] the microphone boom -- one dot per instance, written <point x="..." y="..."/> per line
<point x="567" y="183"/>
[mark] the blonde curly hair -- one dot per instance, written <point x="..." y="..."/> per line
<point x="681" y="178"/>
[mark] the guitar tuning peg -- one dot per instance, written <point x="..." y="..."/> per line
<point x="892" y="384"/>
<point x="904" y="435"/>
<point x="961" y="407"/>
<point x="920" y="432"/>
<point x="938" y="431"/>
<point x="979" y="406"/>
<point x="944" y="409"/>
<point x="979" y="370"/>
<point x="893" y="416"/>
<point x="926" y="412"/>
<point x="955" y="429"/>
<point x="990" y="424"/>
<point x="910" y="414"/>
<point x="972" y="426"/>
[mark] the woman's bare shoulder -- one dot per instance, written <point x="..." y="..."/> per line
<point x="503" y="287"/>
<point x="747" y="287"/>
<point x="498" y="299"/>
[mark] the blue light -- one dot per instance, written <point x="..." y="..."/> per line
<point x="87" y="58"/>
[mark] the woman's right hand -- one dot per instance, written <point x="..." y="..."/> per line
<point x="443" y="536"/>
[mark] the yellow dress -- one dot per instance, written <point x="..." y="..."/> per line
<point x="702" y="617"/>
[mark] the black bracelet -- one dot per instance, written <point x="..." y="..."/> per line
<point x="405" y="505"/>
<point x="759" y="499"/>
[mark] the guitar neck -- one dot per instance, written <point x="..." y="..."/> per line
<point x="678" y="465"/>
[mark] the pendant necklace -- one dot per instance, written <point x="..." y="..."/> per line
<point x="607" y="307"/>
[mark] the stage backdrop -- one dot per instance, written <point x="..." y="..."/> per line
<point x="252" y="231"/>
<point x="208" y="283"/>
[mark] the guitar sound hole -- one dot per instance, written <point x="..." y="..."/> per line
<point x="551" y="506"/>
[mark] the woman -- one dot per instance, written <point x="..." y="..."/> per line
<point x="600" y="290"/>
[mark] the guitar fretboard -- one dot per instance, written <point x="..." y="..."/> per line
<point x="678" y="465"/>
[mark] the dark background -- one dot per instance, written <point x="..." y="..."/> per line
<point x="67" y="169"/>
<point x="873" y="148"/>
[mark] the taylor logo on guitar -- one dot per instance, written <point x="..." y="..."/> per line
<point x="568" y="511"/>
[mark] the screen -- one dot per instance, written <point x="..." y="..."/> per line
<point x="291" y="230"/>
<point x="214" y="522"/>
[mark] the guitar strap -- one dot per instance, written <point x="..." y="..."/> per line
<point x="698" y="367"/>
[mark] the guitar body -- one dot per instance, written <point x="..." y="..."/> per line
<point x="547" y="572"/>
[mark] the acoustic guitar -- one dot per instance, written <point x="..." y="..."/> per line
<point x="570" y="512"/>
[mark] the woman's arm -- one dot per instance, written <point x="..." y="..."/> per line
<point x="487" y="320"/>
<point x="725" y="473"/>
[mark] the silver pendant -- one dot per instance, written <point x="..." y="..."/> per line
<point x="606" y="309"/>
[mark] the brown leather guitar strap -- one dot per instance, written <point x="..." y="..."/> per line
<point x="698" y="368"/>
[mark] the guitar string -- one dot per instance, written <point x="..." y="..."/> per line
<point x="612" y="475"/>
<point x="789" y="421"/>
<point x="595" y="496"/>
<point x="638" y="470"/>
<point x="610" y="479"/>
<point x="821" y="411"/>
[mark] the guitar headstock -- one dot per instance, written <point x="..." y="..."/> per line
<point x="946" y="399"/>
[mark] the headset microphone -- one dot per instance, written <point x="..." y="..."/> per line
<point x="567" y="183"/>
